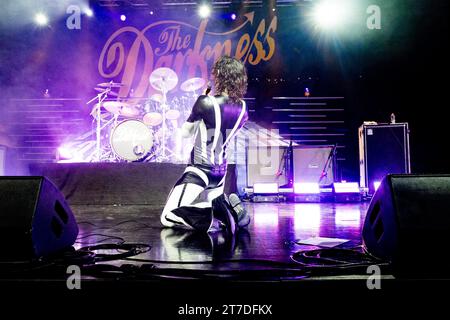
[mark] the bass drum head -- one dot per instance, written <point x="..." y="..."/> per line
<point x="131" y="140"/>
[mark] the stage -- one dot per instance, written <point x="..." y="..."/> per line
<point x="271" y="236"/>
<point x="126" y="200"/>
<point x="122" y="250"/>
<point x="121" y="203"/>
<point x="325" y="114"/>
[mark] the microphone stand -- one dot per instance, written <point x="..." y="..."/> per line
<point x="327" y="164"/>
<point x="289" y="158"/>
<point x="287" y="164"/>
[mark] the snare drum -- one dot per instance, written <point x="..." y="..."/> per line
<point x="131" y="140"/>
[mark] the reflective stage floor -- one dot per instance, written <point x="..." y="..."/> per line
<point x="257" y="266"/>
<point x="273" y="234"/>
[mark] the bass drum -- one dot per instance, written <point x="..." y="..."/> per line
<point x="131" y="140"/>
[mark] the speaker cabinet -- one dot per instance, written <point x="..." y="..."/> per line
<point x="383" y="149"/>
<point x="264" y="165"/>
<point x="408" y="223"/>
<point x="313" y="164"/>
<point x="35" y="219"/>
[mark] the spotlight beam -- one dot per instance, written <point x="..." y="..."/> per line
<point x="41" y="19"/>
<point x="204" y="11"/>
<point x="330" y="14"/>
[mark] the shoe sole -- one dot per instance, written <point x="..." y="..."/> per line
<point x="223" y="212"/>
<point x="239" y="209"/>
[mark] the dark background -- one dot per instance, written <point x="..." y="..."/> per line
<point x="399" y="69"/>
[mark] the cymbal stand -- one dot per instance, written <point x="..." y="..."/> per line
<point x="164" y="149"/>
<point x="100" y="98"/>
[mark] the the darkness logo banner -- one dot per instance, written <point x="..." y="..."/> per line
<point x="130" y="55"/>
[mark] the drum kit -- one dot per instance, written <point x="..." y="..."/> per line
<point x="142" y="132"/>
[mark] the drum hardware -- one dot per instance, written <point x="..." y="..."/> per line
<point x="151" y="116"/>
<point x="97" y="110"/>
<point x="138" y="150"/>
<point x="114" y="107"/>
<point x="110" y="84"/>
<point x="121" y="108"/>
<point x="111" y="93"/>
<point x="117" y="121"/>
<point x="192" y="85"/>
<point x="164" y="80"/>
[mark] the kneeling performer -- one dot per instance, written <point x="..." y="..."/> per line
<point x="197" y="199"/>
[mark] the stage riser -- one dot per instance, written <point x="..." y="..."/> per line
<point x="114" y="183"/>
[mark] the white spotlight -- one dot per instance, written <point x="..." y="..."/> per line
<point x="331" y="13"/>
<point x="89" y="12"/>
<point x="204" y="11"/>
<point x="41" y="19"/>
<point x="123" y="17"/>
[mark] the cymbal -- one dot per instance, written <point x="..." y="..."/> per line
<point x="120" y="108"/>
<point x="114" y="106"/>
<point x="163" y="79"/>
<point x="157" y="97"/>
<point x="110" y="84"/>
<point x="112" y="93"/>
<point x="129" y="111"/>
<point x="192" y="84"/>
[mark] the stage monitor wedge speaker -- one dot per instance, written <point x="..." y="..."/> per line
<point x="383" y="149"/>
<point x="313" y="164"/>
<point x="408" y="223"/>
<point x="35" y="219"/>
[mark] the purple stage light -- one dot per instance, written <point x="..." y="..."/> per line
<point x="233" y="16"/>
<point x="65" y="152"/>
<point x="73" y="153"/>
<point x="265" y="188"/>
<point x="376" y="184"/>
<point x="346" y="187"/>
<point x="123" y="17"/>
<point x="346" y="192"/>
<point x="306" y="188"/>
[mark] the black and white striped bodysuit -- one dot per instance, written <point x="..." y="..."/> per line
<point x="217" y="120"/>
